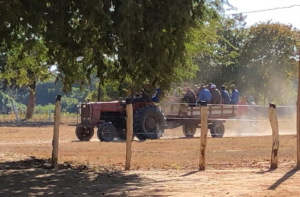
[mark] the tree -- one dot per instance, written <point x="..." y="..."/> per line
<point x="156" y="41"/>
<point x="220" y="64"/>
<point x="25" y="65"/>
<point x="268" y="62"/>
<point x="136" y="42"/>
<point x="6" y="103"/>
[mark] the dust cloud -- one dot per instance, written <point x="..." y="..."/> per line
<point x="255" y="124"/>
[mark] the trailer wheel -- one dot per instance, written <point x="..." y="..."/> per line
<point x="217" y="129"/>
<point x="84" y="133"/>
<point x="106" y="132"/>
<point x="189" y="130"/>
<point x="149" y="123"/>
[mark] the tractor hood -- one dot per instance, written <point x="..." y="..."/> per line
<point x="113" y="106"/>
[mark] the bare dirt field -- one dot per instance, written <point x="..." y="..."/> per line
<point x="237" y="165"/>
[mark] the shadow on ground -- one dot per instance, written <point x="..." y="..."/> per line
<point x="284" y="178"/>
<point x="25" y="124"/>
<point x="33" y="177"/>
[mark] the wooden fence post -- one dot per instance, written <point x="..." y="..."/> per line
<point x="56" y="133"/>
<point x="129" y="132"/>
<point x="298" y="116"/>
<point x="49" y="113"/>
<point x="298" y="125"/>
<point x="203" y="139"/>
<point x="275" y="134"/>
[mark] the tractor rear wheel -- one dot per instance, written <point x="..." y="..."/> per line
<point x="106" y="132"/>
<point x="149" y="123"/>
<point x="217" y="129"/>
<point x="189" y="130"/>
<point x="84" y="133"/>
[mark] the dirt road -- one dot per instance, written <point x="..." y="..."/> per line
<point x="236" y="166"/>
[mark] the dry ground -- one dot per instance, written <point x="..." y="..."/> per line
<point x="236" y="165"/>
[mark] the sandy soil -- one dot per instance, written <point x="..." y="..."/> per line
<point x="237" y="165"/>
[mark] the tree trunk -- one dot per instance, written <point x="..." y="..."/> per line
<point x="99" y="92"/>
<point x="31" y="101"/>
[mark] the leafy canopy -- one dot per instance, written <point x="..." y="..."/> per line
<point x="269" y="61"/>
<point x="135" y="41"/>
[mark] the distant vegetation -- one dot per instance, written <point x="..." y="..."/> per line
<point x="104" y="50"/>
<point x="46" y="93"/>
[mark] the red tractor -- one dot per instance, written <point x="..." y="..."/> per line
<point x="110" y="120"/>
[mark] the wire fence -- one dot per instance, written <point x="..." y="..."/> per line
<point x="39" y="118"/>
<point x="173" y="150"/>
<point x="256" y="122"/>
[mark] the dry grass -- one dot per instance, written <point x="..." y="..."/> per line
<point x="65" y="118"/>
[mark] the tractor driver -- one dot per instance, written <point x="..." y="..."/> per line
<point x="155" y="97"/>
<point x="141" y="97"/>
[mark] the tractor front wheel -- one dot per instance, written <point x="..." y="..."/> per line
<point x="84" y="133"/>
<point x="106" y="132"/>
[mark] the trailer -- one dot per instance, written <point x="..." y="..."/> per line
<point x="189" y="117"/>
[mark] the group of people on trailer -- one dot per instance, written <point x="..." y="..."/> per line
<point x="211" y="94"/>
<point x="208" y="93"/>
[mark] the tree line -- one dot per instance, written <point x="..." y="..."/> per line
<point x="128" y="44"/>
<point x="262" y="60"/>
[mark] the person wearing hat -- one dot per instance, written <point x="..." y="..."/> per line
<point x="216" y="95"/>
<point x="234" y="95"/>
<point x="189" y="96"/>
<point x="209" y="86"/>
<point x="196" y="89"/>
<point x="204" y="95"/>
<point x="225" y="95"/>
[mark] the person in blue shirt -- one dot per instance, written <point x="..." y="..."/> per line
<point x="225" y="95"/>
<point x="155" y="98"/>
<point x="234" y="95"/>
<point x="204" y="95"/>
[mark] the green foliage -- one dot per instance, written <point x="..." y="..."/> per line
<point x="154" y="45"/>
<point x="6" y="103"/>
<point x="80" y="95"/>
<point x="220" y="63"/>
<point x="269" y="62"/>
<point x="26" y="65"/>
<point x="39" y="109"/>
<point x="69" y="104"/>
<point x="46" y="93"/>
<point x="20" y="106"/>
<point x="133" y="42"/>
<point x="260" y="60"/>
<point x="110" y="90"/>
